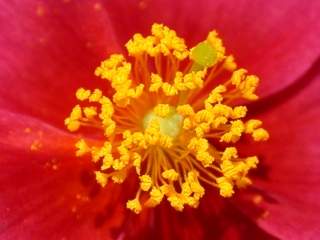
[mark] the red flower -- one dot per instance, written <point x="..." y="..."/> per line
<point x="51" y="48"/>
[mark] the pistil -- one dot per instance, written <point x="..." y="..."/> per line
<point x="170" y="122"/>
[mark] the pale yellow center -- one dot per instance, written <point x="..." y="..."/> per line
<point x="169" y="125"/>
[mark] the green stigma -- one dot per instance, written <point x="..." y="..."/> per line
<point x="169" y="125"/>
<point x="204" y="55"/>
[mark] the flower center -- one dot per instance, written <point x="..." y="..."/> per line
<point x="169" y="120"/>
<point x="169" y="105"/>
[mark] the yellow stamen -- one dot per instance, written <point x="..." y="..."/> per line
<point x="145" y="182"/>
<point x="82" y="147"/>
<point x="134" y="205"/>
<point x="156" y="196"/>
<point x="101" y="178"/>
<point x="170" y="174"/>
<point x="226" y="188"/>
<point x="90" y="112"/>
<point x="258" y="133"/>
<point x="83" y="94"/>
<point x="161" y="116"/>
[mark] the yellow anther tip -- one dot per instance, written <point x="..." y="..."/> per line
<point x="119" y="177"/>
<point x="229" y="153"/>
<point x="239" y="112"/>
<point x="145" y="182"/>
<point x="96" y="96"/>
<point x="162" y="110"/>
<point x="260" y="134"/>
<point x="205" y="158"/>
<point x="72" y="125"/>
<point x="238" y="76"/>
<point x="134" y="205"/>
<point x="229" y="63"/>
<point x="176" y="202"/>
<point x="216" y="94"/>
<point x="90" y="112"/>
<point x="170" y="174"/>
<point x="185" y="110"/>
<point x="82" y="148"/>
<point x="83" y="94"/>
<point x="252" y="162"/>
<point x="226" y="188"/>
<point x="101" y="178"/>
<point x="217" y="44"/>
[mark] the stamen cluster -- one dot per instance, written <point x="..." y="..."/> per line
<point x="172" y="118"/>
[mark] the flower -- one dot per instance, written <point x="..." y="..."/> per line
<point x="51" y="49"/>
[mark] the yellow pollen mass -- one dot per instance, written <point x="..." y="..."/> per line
<point x="156" y="196"/>
<point x="134" y="205"/>
<point x="158" y="124"/>
<point x="101" y="178"/>
<point x="145" y="182"/>
<point x="170" y="174"/>
<point x="169" y="121"/>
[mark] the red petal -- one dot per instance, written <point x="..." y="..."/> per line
<point x="215" y="218"/>
<point x="277" y="40"/>
<point x="48" y="50"/>
<point x="292" y="176"/>
<point x="45" y="192"/>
